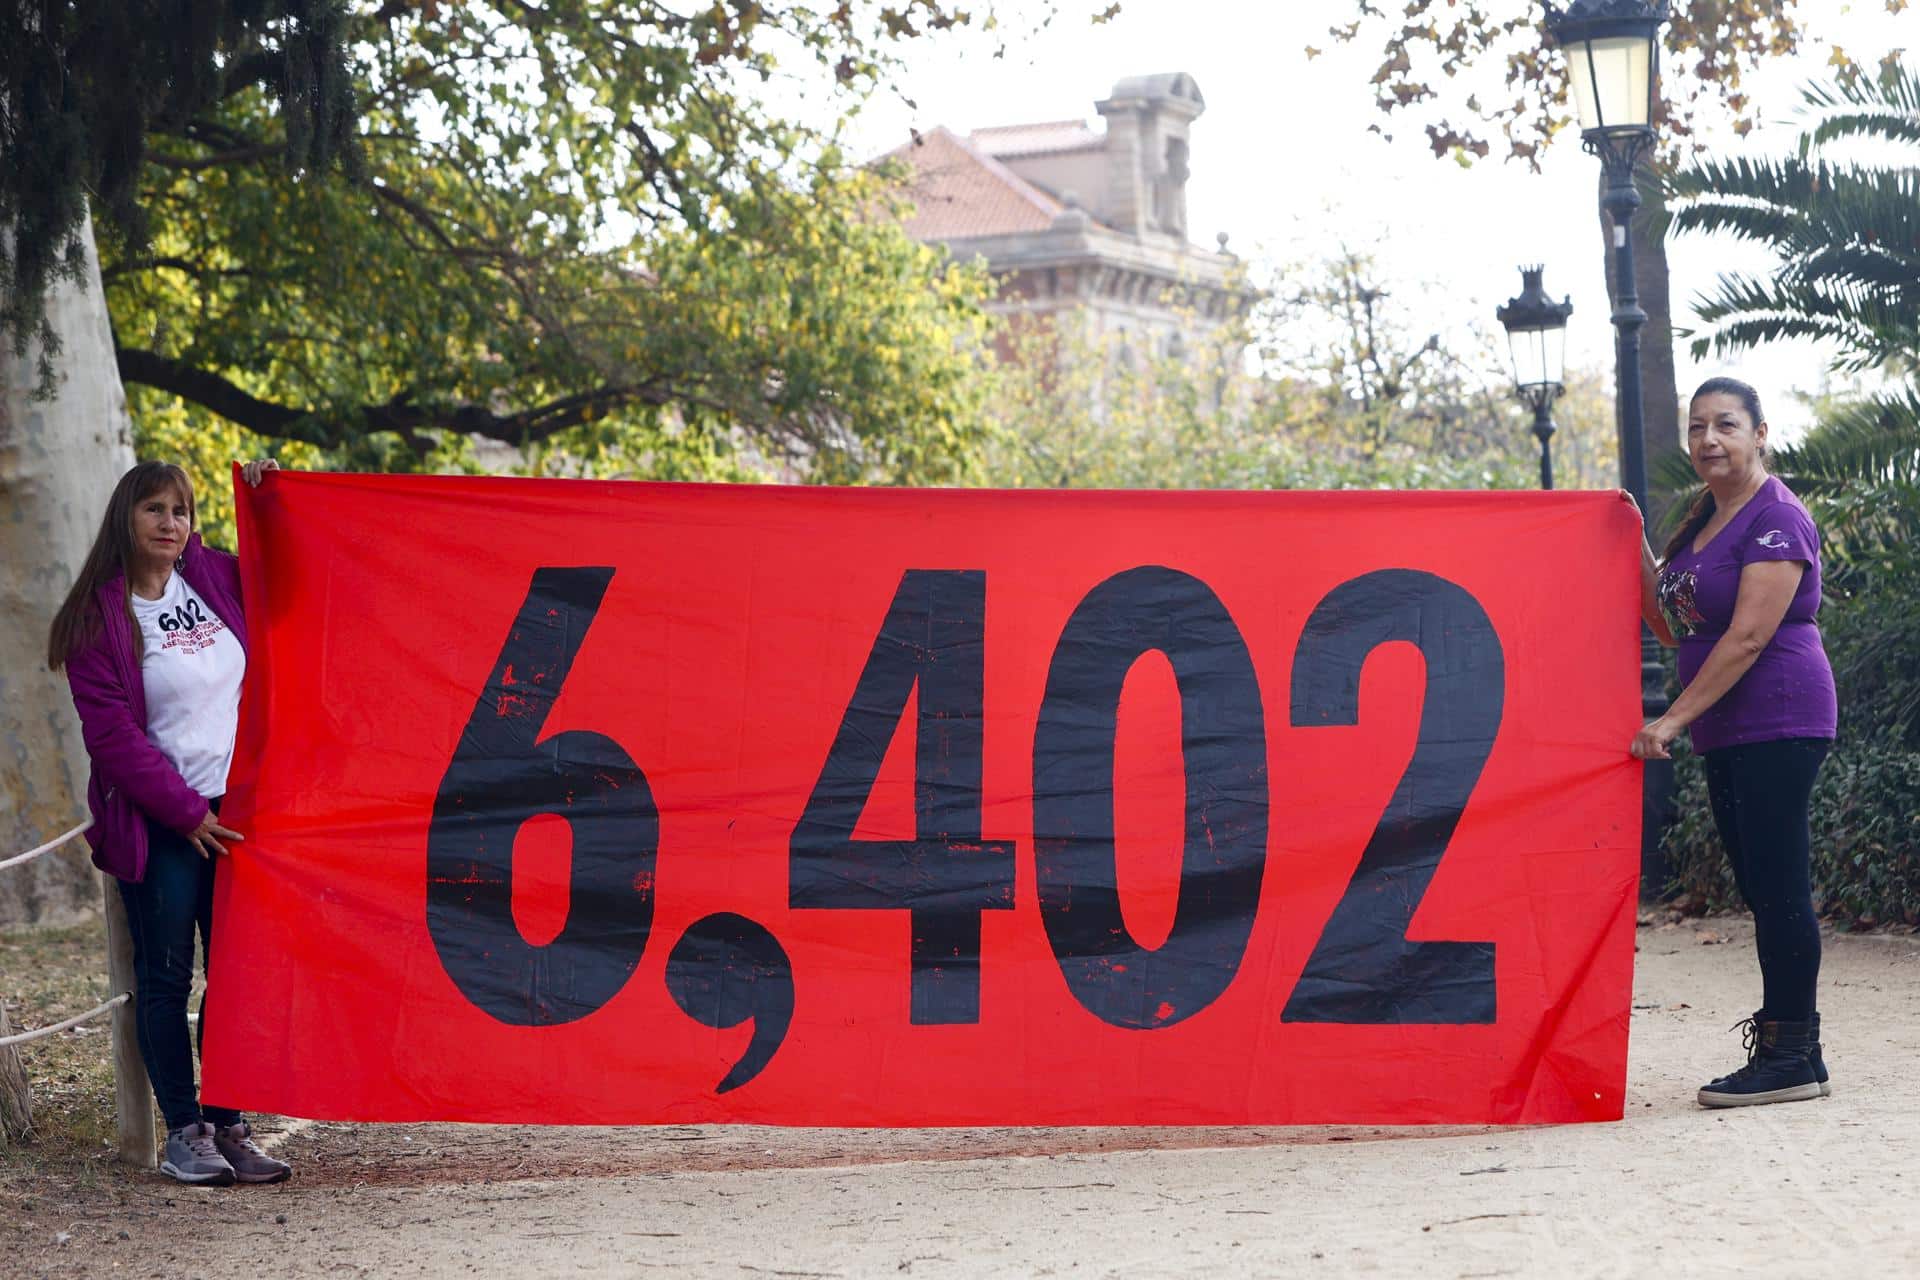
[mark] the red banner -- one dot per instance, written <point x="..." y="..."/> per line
<point x="634" y="803"/>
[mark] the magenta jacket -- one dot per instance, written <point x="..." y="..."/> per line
<point x="131" y="780"/>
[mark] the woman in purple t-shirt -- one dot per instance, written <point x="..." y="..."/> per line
<point x="1737" y="590"/>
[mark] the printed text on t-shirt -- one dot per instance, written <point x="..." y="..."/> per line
<point x="189" y="628"/>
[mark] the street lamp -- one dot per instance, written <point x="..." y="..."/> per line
<point x="1537" y="340"/>
<point x="1613" y="58"/>
<point x="1613" y="53"/>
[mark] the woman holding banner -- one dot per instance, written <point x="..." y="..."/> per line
<point x="1737" y="589"/>
<point x="153" y="640"/>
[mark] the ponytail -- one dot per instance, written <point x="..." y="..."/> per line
<point x="1699" y="511"/>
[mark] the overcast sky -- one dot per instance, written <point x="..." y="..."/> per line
<point x="1283" y="162"/>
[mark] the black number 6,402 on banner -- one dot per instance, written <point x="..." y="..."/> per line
<point x="1363" y="967"/>
<point x="503" y="774"/>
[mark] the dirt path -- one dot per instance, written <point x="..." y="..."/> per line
<point x="1812" y="1189"/>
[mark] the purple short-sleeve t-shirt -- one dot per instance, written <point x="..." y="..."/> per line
<point x="1788" y="691"/>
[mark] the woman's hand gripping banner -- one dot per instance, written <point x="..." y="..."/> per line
<point x="635" y="803"/>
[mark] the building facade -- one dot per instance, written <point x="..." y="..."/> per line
<point x="1085" y="227"/>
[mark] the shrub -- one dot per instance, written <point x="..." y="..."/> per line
<point x="1866" y="836"/>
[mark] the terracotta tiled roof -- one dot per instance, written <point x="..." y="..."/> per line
<point x="959" y="191"/>
<point x="1037" y="139"/>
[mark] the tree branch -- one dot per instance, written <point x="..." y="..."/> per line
<point x="262" y="68"/>
<point x="186" y="266"/>
<point x="209" y="390"/>
<point x="242" y="155"/>
<point x="212" y="133"/>
<point x="234" y="403"/>
<point x="425" y="217"/>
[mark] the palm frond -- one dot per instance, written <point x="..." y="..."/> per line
<point x="1746" y="312"/>
<point x="1888" y="126"/>
<point x="1878" y="208"/>
<point x="1886" y="106"/>
<point x="1751" y="199"/>
<point x="1875" y="440"/>
<point x="1798" y="207"/>
<point x="1846" y="237"/>
<point x="1859" y="471"/>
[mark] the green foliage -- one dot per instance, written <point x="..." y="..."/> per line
<point x="1862" y="468"/>
<point x="85" y="84"/>
<point x="1869" y="863"/>
<point x="1345" y="395"/>
<point x="576" y="231"/>
<point x="1860" y="474"/>
<point x="1866" y="835"/>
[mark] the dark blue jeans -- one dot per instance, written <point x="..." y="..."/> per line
<point x="1761" y="793"/>
<point x="163" y="912"/>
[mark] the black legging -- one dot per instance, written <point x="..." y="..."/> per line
<point x="1761" y="793"/>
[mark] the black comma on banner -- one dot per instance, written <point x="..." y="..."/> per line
<point x="726" y="969"/>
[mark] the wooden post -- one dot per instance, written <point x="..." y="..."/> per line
<point x="16" y="1102"/>
<point x="132" y="1095"/>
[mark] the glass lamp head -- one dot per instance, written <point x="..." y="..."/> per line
<point x="1613" y="58"/>
<point x="1536" y="328"/>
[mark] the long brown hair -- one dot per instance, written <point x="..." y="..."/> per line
<point x="1702" y="507"/>
<point x="79" y="619"/>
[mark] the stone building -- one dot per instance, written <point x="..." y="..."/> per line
<point x="1086" y="226"/>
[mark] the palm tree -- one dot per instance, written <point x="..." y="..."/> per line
<point x="1841" y="216"/>
<point x="1847" y="235"/>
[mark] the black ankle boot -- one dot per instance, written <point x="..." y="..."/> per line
<point x="1783" y="1065"/>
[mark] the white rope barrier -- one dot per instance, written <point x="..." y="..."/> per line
<point x="41" y="1033"/>
<point x="133" y="1101"/>
<point x="48" y="847"/>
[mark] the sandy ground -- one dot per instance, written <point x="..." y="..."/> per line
<point x="1829" y="1188"/>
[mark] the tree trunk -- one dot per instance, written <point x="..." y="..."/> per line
<point x="16" y="1104"/>
<point x="1660" y="415"/>
<point x="59" y="460"/>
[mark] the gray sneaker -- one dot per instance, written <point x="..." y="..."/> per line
<point x="250" y="1163"/>
<point x="193" y="1157"/>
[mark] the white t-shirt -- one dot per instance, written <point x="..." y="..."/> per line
<point x="191" y="665"/>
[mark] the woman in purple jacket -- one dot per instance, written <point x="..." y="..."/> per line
<point x="153" y="637"/>
<point x="1736" y="590"/>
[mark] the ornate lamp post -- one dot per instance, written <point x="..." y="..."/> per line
<point x="1613" y="56"/>
<point x="1537" y="340"/>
